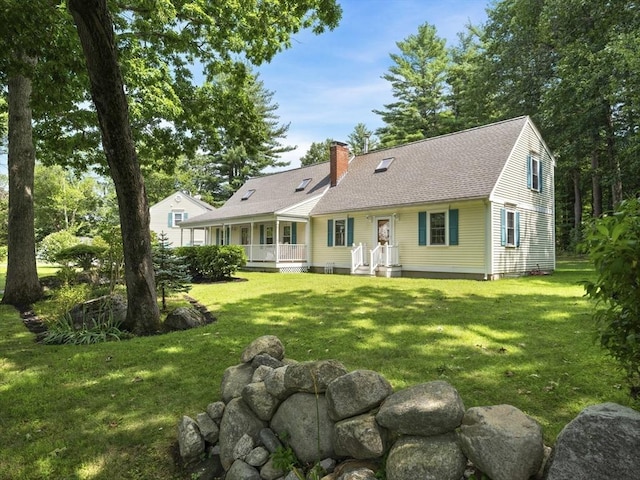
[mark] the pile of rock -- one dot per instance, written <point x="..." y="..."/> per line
<point x="345" y="423"/>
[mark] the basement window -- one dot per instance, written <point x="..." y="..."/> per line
<point x="303" y="184"/>
<point x="248" y="194"/>
<point x="384" y="164"/>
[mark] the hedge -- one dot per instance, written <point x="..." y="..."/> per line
<point x="213" y="262"/>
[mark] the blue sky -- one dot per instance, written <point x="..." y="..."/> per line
<point x="324" y="85"/>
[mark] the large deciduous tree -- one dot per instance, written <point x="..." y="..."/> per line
<point x="95" y="29"/>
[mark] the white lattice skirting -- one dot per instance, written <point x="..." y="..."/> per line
<point x="294" y="269"/>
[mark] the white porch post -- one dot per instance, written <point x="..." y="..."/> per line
<point x="251" y="242"/>
<point x="307" y="239"/>
<point x="277" y="240"/>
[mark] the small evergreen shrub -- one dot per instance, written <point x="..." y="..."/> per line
<point x="171" y="272"/>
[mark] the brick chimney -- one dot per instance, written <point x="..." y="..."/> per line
<point x="339" y="161"/>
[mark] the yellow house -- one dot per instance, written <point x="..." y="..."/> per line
<point x="473" y="204"/>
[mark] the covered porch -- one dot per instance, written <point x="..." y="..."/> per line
<point x="270" y="244"/>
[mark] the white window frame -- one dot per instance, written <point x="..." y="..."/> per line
<point x="510" y="228"/>
<point x="343" y="222"/>
<point x="535" y="171"/>
<point x="286" y="234"/>
<point x="430" y="229"/>
<point x="175" y="223"/>
<point x="245" y="239"/>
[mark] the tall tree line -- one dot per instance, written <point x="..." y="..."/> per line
<point x="572" y="65"/>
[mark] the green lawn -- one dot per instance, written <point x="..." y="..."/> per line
<point x="110" y="410"/>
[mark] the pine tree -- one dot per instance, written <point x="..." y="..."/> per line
<point x="170" y="270"/>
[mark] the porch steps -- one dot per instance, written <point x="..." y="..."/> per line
<point x="362" y="270"/>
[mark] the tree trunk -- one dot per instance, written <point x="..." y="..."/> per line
<point x="95" y="29"/>
<point x="577" y="201"/>
<point x="596" y="184"/>
<point x="22" y="285"/>
<point x="614" y="163"/>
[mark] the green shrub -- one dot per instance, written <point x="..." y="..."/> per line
<point x="55" y="242"/>
<point x="613" y="244"/>
<point x="213" y="262"/>
<point x="83" y="255"/>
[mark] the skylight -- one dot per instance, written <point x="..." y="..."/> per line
<point x="303" y="184"/>
<point x="248" y="194"/>
<point x="383" y="165"/>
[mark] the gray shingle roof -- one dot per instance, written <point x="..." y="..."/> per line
<point x="272" y="193"/>
<point x="462" y="165"/>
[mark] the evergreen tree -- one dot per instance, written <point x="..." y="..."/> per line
<point x="170" y="269"/>
<point x="362" y="138"/>
<point x="418" y="80"/>
<point x="318" y="152"/>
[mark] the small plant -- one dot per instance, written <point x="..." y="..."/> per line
<point x="62" y="331"/>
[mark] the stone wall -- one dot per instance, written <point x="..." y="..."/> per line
<point x="352" y="426"/>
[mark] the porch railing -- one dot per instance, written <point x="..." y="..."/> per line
<point x="357" y="257"/>
<point x="285" y="253"/>
<point x="384" y="256"/>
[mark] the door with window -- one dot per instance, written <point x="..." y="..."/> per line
<point x="383" y="231"/>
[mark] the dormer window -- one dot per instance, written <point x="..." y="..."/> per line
<point x="384" y="164"/>
<point x="303" y="184"/>
<point x="248" y="194"/>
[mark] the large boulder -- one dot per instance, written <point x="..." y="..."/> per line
<point x="602" y="442"/>
<point x="190" y="441"/>
<point x="109" y="309"/>
<point x="355" y="393"/>
<point x="269" y="344"/>
<point x="312" y="377"/>
<point x="208" y="428"/>
<point x="427" y="409"/>
<point x="184" y="318"/>
<point x="360" y="437"/>
<point x="238" y="420"/>
<point x="242" y="471"/>
<point x="429" y="458"/>
<point x="234" y="379"/>
<point x="260" y="401"/>
<point x="502" y="441"/>
<point x="304" y="418"/>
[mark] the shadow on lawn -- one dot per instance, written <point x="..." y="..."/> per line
<point x="531" y="351"/>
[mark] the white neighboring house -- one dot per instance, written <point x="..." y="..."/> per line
<point x="168" y="213"/>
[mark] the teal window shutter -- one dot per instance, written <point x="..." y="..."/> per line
<point x="294" y="233"/>
<point x="261" y="234"/>
<point x="453" y="227"/>
<point x="517" y="229"/>
<point x="422" y="228"/>
<point x="529" y="173"/>
<point x="503" y="227"/>
<point x="349" y="231"/>
<point x="170" y="219"/>
<point x="329" y="233"/>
